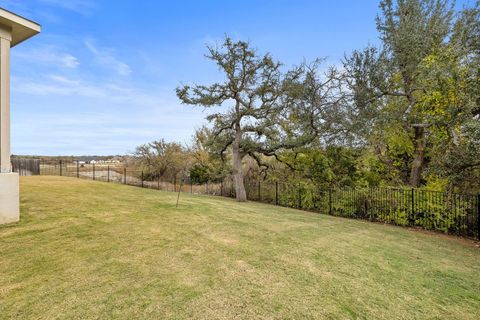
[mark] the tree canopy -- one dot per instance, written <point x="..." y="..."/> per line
<point x="265" y="111"/>
<point x="403" y="113"/>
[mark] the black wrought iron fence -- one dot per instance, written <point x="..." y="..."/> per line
<point x="452" y="213"/>
<point x="26" y="166"/>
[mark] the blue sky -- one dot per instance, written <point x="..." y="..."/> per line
<point x="101" y="77"/>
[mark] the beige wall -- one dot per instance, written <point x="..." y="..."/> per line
<point x="9" y="195"/>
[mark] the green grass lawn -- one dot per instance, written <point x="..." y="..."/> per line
<point x="92" y="250"/>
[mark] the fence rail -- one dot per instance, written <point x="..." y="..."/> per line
<point x="451" y="213"/>
<point x="437" y="211"/>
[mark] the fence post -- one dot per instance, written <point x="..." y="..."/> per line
<point x="108" y="173"/>
<point x="413" y="207"/>
<point x="276" y="193"/>
<point x="330" y="200"/>
<point x="478" y="216"/>
<point x="142" y="178"/>
<point x="78" y="170"/>
<point x="365" y="204"/>
<point x="299" y="197"/>
<point x="124" y="175"/>
<point x="93" y="174"/>
<point x="259" y="191"/>
<point x="60" y="168"/>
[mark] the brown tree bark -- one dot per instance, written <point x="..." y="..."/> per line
<point x="419" y="141"/>
<point x="419" y="156"/>
<point x="241" y="194"/>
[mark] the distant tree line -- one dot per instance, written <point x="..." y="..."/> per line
<point x="404" y="113"/>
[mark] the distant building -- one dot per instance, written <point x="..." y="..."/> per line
<point x="96" y="160"/>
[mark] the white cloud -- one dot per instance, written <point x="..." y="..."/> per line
<point x="77" y="117"/>
<point x="55" y="85"/>
<point x="83" y="7"/>
<point x="58" y="85"/>
<point x="69" y="61"/>
<point x="106" y="57"/>
<point x="48" y="55"/>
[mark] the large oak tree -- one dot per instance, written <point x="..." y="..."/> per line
<point x="389" y="83"/>
<point x="262" y="109"/>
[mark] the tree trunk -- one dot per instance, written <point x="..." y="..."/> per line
<point x="237" y="169"/>
<point x="419" y="141"/>
<point x="419" y="156"/>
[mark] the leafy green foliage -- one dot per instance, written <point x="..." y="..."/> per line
<point x="405" y="113"/>
<point x="417" y="96"/>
